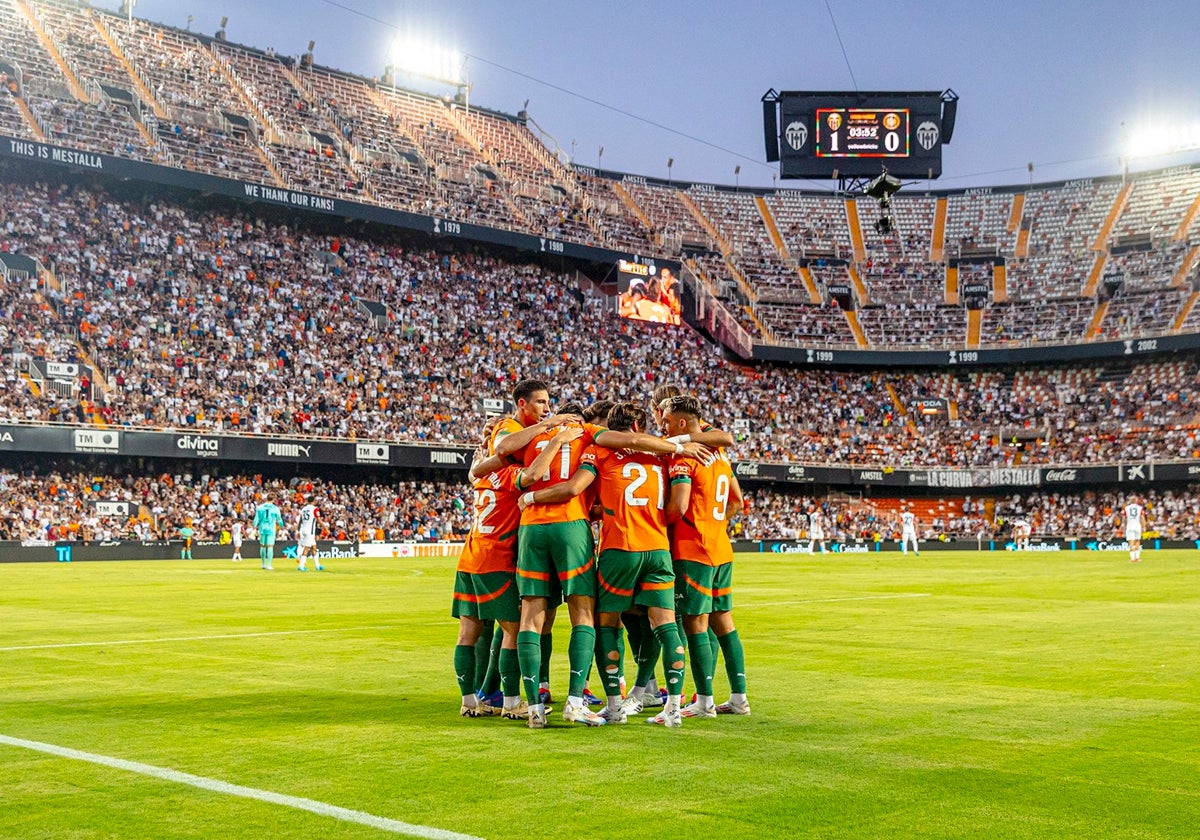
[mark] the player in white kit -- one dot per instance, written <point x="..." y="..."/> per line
<point x="1022" y="530"/>
<point x="908" y="532"/>
<point x="816" y="530"/>
<point x="308" y="518"/>
<point x="236" y="537"/>
<point x="1134" y="520"/>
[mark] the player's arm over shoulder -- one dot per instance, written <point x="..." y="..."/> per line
<point x="681" y="489"/>
<point x="512" y="438"/>
<point x="489" y="465"/>
<point x="642" y="442"/>
<point x="541" y="464"/>
<point x="710" y="436"/>
<point x="579" y="481"/>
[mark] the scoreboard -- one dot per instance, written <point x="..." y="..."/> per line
<point x="855" y="134"/>
<point x="862" y="132"/>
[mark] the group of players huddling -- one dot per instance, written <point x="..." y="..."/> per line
<point x="662" y="572"/>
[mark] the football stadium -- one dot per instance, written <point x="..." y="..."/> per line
<point x="372" y="466"/>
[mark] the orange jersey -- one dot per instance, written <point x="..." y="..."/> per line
<point x="633" y="490"/>
<point x="505" y="427"/>
<point x="700" y="533"/>
<point x="561" y="469"/>
<point x="492" y="544"/>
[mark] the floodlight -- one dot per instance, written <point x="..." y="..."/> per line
<point x="1153" y="140"/>
<point x="418" y="57"/>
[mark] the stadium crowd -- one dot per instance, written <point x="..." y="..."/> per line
<point x="285" y="121"/>
<point x="771" y="514"/>
<point x="259" y="327"/>
<point x="39" y="504"/>
<point x="1172" y="514"/>
<point x="50" y="505"/>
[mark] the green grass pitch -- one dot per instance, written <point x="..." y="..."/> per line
<point x="960" y="694"/>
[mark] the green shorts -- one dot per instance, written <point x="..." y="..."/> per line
<point x="491" y="595"/>
<point x="555" y="560"/>
<point x="722" y="588"/>
<point x="266" y="538"/>
<point x="625" y="578"/>
<point x="693" y="588"/>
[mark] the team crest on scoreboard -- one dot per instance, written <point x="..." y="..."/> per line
<point x="834" y="121"/>
<point x="927" y="135"/>
<point x="891" y="122"/>
<point x="797" y="135"/>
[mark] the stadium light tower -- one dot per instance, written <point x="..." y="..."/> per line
<point x="1163" y="139"/>
<point x="416" y="56"/>
<point x="737" y="190"/>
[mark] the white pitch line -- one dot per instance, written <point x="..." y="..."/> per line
<point x="323" y="809"/>
<point x="192" y="638"/>
<point x="831" y="600"/>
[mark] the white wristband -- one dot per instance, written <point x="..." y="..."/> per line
<point x="528" y="498"/>
<point x="678" y="448"/>
<point x="680" y="439"/>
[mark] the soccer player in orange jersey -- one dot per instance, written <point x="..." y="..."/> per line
<point x="707" y="434"/>
<point x="531" y="397"/>
<point x="634" y="566"/>
<point x="484" y="583"/>
<point x="532" y="417"/>
<point x="644" y="693"/>
<point x="597" y="414"/>
<point x="701" y="496"/>
<point x="555" y="560"/>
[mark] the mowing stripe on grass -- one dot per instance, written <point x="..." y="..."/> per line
<point x="194" y="638"/>
<point x="323" y="809"/>
<point x="828" y="600"/>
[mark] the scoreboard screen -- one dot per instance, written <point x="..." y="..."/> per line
<point x="856" y="134"/>
<point x="861" y="132"/>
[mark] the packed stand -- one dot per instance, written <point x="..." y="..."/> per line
<point x="1171" y="514"/>
<point x="337" y="134"/>
<point x="40" y="505"/>
<point x="771" y="514"/>
<point x="254" y="329"/>
<point x="63" y="505"/>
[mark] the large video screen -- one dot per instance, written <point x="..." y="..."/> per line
<point x="862" y="132"/>
<point x="648" y="292"/>
<point x="854" y="135"/>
